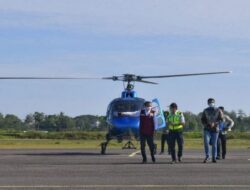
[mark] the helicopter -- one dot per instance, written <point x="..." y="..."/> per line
<point x="121" y="126"/>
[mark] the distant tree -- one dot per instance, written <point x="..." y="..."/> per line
<point x="49" y="123"/>
<point x="30" y="122"/>
<point x="65" y="123"/>
<point x="241" y="114"/>
<point x="13" y="122"/>
<point x="39" y="119"/>
<point x="192" y="121"/>
<point x="1" y="121"/>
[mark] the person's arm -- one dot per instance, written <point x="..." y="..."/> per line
<point x="182" y="120"/>
<point x="229" y="122"/>
<point x="204" y="119"/>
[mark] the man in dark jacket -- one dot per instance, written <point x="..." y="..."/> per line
<point x="211" y="118"/>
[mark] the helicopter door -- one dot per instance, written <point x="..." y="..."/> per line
<point x="160" y="119"/>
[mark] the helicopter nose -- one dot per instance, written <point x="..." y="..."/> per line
<point x="123" y="122"/>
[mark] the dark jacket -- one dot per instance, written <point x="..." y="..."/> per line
<point x="147" y="126"/>
<point x="211" y="115"/>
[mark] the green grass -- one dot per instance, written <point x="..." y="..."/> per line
<point x="95" y="144"/>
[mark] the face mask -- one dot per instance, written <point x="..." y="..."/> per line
<point x="147" y="109"/>
<point x="211" y="105"/>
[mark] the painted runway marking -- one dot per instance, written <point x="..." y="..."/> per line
<point x="134" y="153"/>
<point x="121" y="186"/>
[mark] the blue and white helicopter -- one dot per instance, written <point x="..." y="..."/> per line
<point x="121" y="126"/>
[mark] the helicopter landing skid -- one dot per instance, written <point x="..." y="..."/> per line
<point x="129" y="145"/>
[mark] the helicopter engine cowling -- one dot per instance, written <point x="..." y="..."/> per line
<point x="129" y="94"/>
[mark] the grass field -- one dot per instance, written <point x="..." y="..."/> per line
<point x="78" y="144"/>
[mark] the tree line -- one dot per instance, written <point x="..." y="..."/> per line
<point x="39" y="121"/>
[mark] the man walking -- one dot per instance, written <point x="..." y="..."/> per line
<point x="225" y="125"/>
<point x="176" y="121"/>
<point x="146" y="129"/>
<point x="211" y="117"/>
<point x="165" y="136"/>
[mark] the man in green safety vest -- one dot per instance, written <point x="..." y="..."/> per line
<point x="176" y="121"/>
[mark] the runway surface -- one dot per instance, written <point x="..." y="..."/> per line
<point x="120" y="169"/>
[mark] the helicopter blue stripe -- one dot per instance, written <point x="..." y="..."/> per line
<point x="125" y="122"/>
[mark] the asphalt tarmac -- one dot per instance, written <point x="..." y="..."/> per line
<point x="120" y="169"/>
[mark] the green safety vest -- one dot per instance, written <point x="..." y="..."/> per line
<point x="175" y="119"/>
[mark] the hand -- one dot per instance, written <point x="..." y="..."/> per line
<point x="165" y="132"/>
<point x="212" y="125"/>
<point x="225" y="129"/>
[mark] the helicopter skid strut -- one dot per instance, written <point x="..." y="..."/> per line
<point x="129" y="145"/>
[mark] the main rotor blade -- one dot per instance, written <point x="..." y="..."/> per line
<point x="148" y="82"/>
<point x="46" y="78"/>
<point x="184" y="75"/>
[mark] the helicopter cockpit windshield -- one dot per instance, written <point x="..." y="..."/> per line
<point x="127" y="106"/>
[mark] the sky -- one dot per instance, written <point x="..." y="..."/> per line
<point x="102" y="38"/>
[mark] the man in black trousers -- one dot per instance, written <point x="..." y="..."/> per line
<point x="165" y="136"/>
<point x="224" y="126"/>
<point x="147" y="129"/>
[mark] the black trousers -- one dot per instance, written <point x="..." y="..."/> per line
<point x="222" y="145"/>
<point x="150" y="141"/>
<point x="176" y="136"/>
<point x="164" y="138"/>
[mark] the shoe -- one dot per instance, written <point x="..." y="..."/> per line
<point x="173" y="162"/>
<point x="206" y="160"/>
<point x="179" y="159"/>
<point x="144" y="162"/>
<point x="223" y="157"/>
<point x="214" y="160"/>
<point x="217" y="158"/>
<point x="153" y="159"/>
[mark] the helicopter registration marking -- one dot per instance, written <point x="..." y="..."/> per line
<point x="134" y="153"/>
